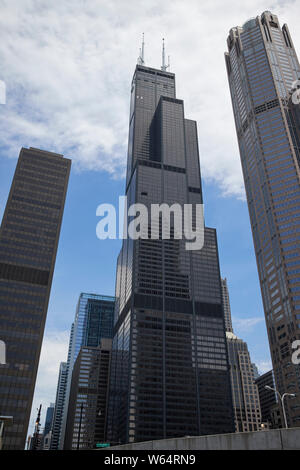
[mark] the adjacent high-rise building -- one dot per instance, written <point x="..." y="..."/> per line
<point x="88" y="398"/>
<point x="169" y="372"/>
<point x="29" y="237"/>
<point x="262" y="67"/>
<point x="93" y="322"/>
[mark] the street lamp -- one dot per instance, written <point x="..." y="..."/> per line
<point x="292" y="395"/>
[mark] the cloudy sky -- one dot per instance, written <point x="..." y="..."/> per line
<point x="67" y="68"/>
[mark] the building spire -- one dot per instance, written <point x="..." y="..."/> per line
<point x="141" y="60"/>
<point x="164" y="65"/>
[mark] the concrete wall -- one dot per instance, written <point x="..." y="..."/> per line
<point x="275" y="439"/>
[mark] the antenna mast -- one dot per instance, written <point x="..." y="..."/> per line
<point x="164" y="65"/>
<point x="36" y="435"/>
<point x="141" y="60"/>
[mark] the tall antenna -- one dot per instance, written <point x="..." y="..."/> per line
<point x="36" y="435"/>
<point x="141" y="60"/>
<point x="164" y="65"/>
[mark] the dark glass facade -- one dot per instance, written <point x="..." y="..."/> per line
<point x="169" y="371"/>
<point x="49" y="419"/>
<point x="267" y="398"/>
<point x="28" y="243"/>
<point x="262" y="65"/>
<point x="88" y="397"/>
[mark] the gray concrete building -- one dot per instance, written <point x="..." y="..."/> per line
<point x="247" y="413"/>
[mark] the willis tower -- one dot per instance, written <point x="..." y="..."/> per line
<point x="169" y="368"/>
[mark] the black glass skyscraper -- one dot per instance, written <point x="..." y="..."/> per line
<point x="29" y="237"/>
<point x="169" y="373"/>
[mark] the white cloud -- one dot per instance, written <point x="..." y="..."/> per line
<point x="263" y="365"/>
<point x="246" y="325"/>
<point x="68" y="66"/>
<point x="54" y="351"/>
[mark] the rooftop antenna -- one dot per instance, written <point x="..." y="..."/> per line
<point x="164" y="65"/>
<point x="141" y="60"/>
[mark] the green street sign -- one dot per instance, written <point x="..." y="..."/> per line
<point x="102" y="444"/>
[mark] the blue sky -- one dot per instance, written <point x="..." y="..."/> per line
<point x="68" y="68"/>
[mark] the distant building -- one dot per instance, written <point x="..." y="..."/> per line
<point x="48" y="427"/>
<point x="270" y="411"/>
<point x="47" y="441"/>
<point x="88" y="397"/>
<point x="59" y="402"/>
<point x="243" y="373"/>
<point x="245" y="394"/>
<point x="226" y="305"/>
<point x="49" y="418"/>
<point x="35" y="442"/>
<point x="93" y="321"/>
<point x="255" y="371"/>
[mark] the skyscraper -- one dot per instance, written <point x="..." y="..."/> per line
<point x="93" y="321"/>
<point x="169" y="373"/>
<point x="29" y="237"/>
<point x="262" y="66"/>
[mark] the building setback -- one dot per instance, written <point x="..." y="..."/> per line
<point x="169" y="373"/>
<point x="29" y="237"/>
<point x="226" y="305"/>
<point x="262" y="65"/>
<point x="88" y="397"/>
